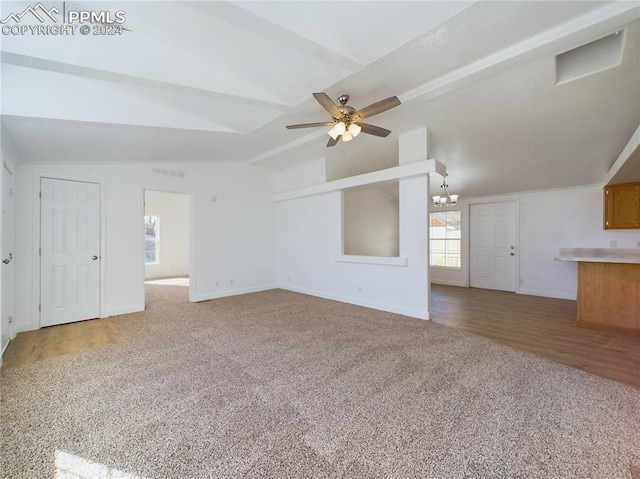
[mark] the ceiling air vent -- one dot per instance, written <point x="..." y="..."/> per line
<point x="591" y="58"/>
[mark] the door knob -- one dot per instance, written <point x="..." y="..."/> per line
<point x="8" y="260"/>
<point x="94" y="257"/>
<point x="512" y="253"/>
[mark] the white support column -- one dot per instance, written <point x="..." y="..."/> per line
<point x="413" y="146"/>
<point x="414" y="216"/>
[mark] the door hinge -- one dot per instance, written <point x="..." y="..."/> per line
<point x="40" y="250"/>
<point x="40" y="194"/>
<point x="40" y="308"/>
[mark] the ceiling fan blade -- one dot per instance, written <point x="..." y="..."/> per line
<point x="374" y="130"/>
<point x="328" y="104"/>
<point x="332" y="142"/>
<point x="375" y="108"/>
<point x="310" y="125"/>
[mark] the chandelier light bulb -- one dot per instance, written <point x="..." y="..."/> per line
<point x="340" y="128"/>
<point x="444" y="199"/>
<point x="347" y="136"/>
<point x="354" y="129"/>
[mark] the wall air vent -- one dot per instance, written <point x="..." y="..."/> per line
<point x="161" y="171"/>
<point x="591" y="58"/>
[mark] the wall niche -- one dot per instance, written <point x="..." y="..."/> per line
<point x="371" y="220"/>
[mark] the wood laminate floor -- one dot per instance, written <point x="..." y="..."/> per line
<point x="31" y="346"/>
<point x="542" y="326"/>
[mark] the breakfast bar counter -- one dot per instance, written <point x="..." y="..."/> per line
<point x="608" y="287"/>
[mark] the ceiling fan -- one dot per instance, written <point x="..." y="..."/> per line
<point x="346" y="123"/>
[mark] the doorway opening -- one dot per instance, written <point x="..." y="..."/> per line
<point x="167" y="238"/>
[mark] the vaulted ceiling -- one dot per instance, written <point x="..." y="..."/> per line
<point x="218" y="81"/>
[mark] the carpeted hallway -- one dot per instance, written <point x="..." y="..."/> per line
<point x="279" y="384"/>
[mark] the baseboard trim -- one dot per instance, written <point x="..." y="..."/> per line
<point x="234" y="292"/>
<point x="22" y="328"/>
<point x="547" y="294"/>
<point x="607" y="327"/>
<point x="126" y="310"/>
<point x="444" y="282"/>
<point x="367" y="304"/>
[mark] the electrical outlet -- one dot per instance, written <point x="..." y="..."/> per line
<point x="217" y="283"/>
<point x="288" y="278"/>
<point x="359" y="289"/>
<point x="230" y="282"/>
<point x="613" y="244"/>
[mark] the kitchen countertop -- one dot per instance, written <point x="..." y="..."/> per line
<point x="600" y="255"/>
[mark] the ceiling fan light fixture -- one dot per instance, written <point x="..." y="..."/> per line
<point x="333" y="133"/>
<point x="344" y="118"/>
<point x="354" y="129"/>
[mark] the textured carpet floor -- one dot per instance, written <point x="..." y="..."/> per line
<point x="278" y="384"/>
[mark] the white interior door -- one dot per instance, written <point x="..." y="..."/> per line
<point x="7" y="242"/>
<point x="492" y="256"/>
<point x="70" y="251"/>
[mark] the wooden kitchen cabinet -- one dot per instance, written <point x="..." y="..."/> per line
<point x="622" y="206"/>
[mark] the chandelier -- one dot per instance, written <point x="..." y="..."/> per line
<point x="444" y="198"/>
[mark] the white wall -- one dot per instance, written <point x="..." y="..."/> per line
<point x="371" y="223"/>
<point x="234" y="236"/>
<point x="547" y="221"/>
<point x="173" y="210"/>
<point x="310" y="259"/>
<point x="298" y="176"/>
<point x="310" y="244"/>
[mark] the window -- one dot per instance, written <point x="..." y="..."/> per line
<point x="151" y="240"/>
<point x="445" y="237"/>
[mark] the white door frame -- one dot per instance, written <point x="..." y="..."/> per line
<point x="516" y="201"/>
<point x="11" y="330"/>
<point x="192" y="238"/>
<point x="37" y="177"/>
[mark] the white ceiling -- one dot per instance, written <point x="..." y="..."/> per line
<point x="218" y="81"/>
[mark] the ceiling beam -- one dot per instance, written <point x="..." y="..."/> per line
<point x="556" y="40"/>
<point x="410" y="170"/>
<point x="96" y="74"/>
<point x="246" y="20"/>
<point x="632" y="145"/>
